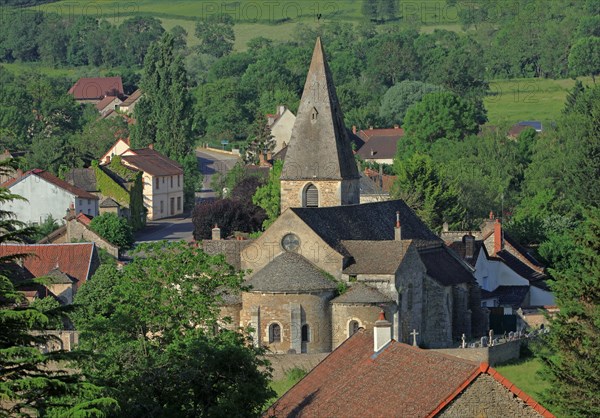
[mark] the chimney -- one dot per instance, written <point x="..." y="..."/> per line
<point x="151" y="146"/>
<point x="281" y="110"/>
<point x="270" y="120"/>
<point x="469" y="241"/>
<point x="491" y="214"/>
<point x="216" y="233"/>
<point x="398" y="229"/>
<point x="498" y="241"/>
<point x="370" y="128"/>
<point x="445" y="227"/>
<point x="269" y="156"/>
<point x="354" y="129"/>
<point x="396" y="126"/>
<point x="382" y="332"/>
<point x="261" y="159"/>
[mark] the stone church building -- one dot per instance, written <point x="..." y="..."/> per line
<point x="328" y="265"/>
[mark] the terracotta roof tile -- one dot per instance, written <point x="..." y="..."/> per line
<point x="132" y="98"/>
<point x="96" y="88"/>
<point x="75" y="259"/>
<point x="153" y="162"/>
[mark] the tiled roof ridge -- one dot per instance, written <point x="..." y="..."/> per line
<point x="487" y="369"/>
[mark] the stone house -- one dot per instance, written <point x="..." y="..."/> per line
<point x="47" y="195"/>
<point x="162" y="178"/>
<point x="328" y="264"/>
<point x="93" y="90"/>
<point x="77" y="229"/>
<point x="66" y="265"/>
<point x="371" y="374"/>
<point x="108" y="104"/>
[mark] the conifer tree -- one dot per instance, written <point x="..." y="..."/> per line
<point x="571" y="363"/>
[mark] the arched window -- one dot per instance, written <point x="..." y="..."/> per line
<point x="353" y="327"/>
<point x="311" y="196"/>
<point x="274" y="333"/>
<point x="305" y="333"/>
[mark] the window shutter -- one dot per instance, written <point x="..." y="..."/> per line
<point x="312" y="196"/>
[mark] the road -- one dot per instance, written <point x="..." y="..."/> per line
<point x="210" y="163"/>
<point x="181" y="227"/>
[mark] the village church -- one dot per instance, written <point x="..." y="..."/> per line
<point x="328" y="265"/>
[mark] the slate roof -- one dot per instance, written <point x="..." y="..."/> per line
<point x="109" y="203"/>
<point x="368" y="221"/>
<point x="508" y="295"/>
<point x="290" y="272"/>
<point x="58" y="277"/>
<point x="443" y="267"/>
<point x="78" y="260"/>
<point x="84" y="178"/>
<point x="399" y="381"/>
<point x="319" y="145"/>
<point x="375" y="257"/>
<point x="51" y="178"/>
<point x="459" y="248"/>
<point x="153" y="162"/>
<point x="360" y="293"/>
<point x="96" y="88"/>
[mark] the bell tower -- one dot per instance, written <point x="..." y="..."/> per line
<point x="319" y="167"/>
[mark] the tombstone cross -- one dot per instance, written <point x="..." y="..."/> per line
<point x="414" y="334"/>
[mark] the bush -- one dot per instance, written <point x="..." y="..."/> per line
<point x="114" y="229"/>
<point x="230" y="215"/>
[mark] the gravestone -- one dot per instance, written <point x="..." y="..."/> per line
<point x="464" y="341"/>
<point x="484" y="341"/>
<point x="414" y="334"/>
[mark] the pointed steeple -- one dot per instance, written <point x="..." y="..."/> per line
<point x="319" y="147"/>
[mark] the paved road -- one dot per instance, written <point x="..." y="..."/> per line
<point x="171" y="229"/>
<point x="209" y="163"/>
<point x="181" y="227"/>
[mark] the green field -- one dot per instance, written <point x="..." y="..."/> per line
<point x="517" y="100"/>
<point x="273" y="20"/>
<point x="524" y="374"/>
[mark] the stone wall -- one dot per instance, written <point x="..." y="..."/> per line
<point x="58" y="340"/>
<point x="365" y="314"/>
<point x="290" y="311"/>
<point x="497" y="354"/>
<point x="76" y="231"/>
<point x="437" y="314"/>
<point x="282" y="364"/>
<point x="232" y="312"/>
<point x="486" y="397"/>
<point x="330" y="192"/>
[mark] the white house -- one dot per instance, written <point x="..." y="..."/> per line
<point x="47" y="195"/>
<point x="281" y="125"/>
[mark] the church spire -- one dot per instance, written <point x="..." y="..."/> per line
<point x="319" y="147"/>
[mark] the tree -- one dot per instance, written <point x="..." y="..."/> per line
<point x="369" y="9"/>
<point x="231" y="215"/>
<point x="432" y="198"/>
<point x="163" y="114"/>
<point x="572" y="349"/>
<point x="152" y="323"/>
<point x="114" y="229"/>
<point x="268" y="196"/>
<point x="442" y="115"/>
<point x="584" y="58"/>
<point x="259" y="140"/>
<point x="398" y="98"/>
<point x="29" y="387"/>
<point x="216" y="35"/>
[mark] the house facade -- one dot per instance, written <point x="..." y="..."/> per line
<point x="281" y="124"/>
<point x="47" y="195"/>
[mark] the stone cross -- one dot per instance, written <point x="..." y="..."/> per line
<point x="414" y="334"/>
<point x="484" y="341"/>
<point x="464" y="341"/>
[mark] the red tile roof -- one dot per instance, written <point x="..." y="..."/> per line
<point x="105" y="102"/>
<point x="153" y="162"/>
<point x="353" y="381"/>
<point x="132" y="98"/>
<point x="74" y="259"/>
<point x="96" y="88"/>
<point x="51" y="178"/>
<point x="84" y="219"/>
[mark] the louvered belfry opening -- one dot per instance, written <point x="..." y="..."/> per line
<point x="311" y="196"/>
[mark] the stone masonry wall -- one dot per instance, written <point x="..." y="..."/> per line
<point x="485" y="397"/>
<point x="277" y="308"/>
<point x="330" y="193"/>
<point x="366" y="315"/>
<point x="233" y="312"/>
<point x="437" y="315"/>
<point x="77" y="232"/>
<point x="497" y="354"/>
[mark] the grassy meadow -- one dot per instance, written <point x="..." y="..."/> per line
<point x="524" y="374"/>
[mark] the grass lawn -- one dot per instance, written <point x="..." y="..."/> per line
<point x="281" y="386"/>
<point x="517" y="100"/>
<point x="524" y="374"/>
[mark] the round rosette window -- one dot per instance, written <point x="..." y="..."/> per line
<point x="290" y="242"/>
